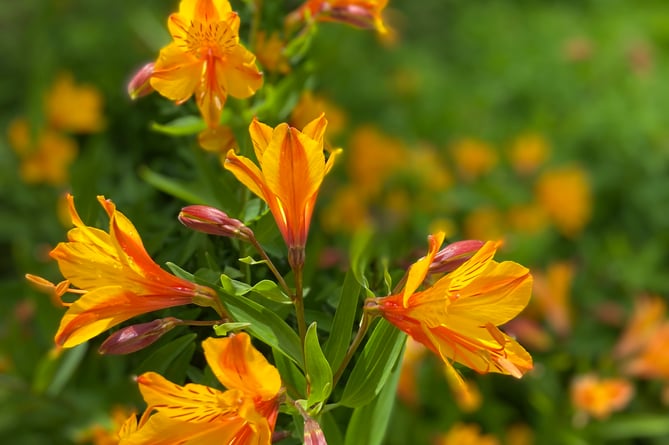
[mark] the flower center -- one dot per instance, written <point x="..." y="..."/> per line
<point x="209" y="39"/>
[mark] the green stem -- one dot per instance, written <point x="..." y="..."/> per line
<point x="270" y="265"/>
<point x="359" y="336"/>
<point x="298" y="301"/>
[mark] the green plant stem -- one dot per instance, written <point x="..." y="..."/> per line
<point x="254" y="242"/>
<point x="359" y="336"/>
<point x="298" y="301"/>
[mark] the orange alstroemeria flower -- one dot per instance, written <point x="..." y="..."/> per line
<point x="118" y="280"/>
<point x="365" y="14"/>
<point x="292" y="168"/>
<point x="205" y="59"/>
<point x="195" y="414"/>
<point x="457" y="317"/>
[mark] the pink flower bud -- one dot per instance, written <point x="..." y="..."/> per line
<point x="214" y="222"/>
<point x="313" y="434"/>
<point x="140" y="85"/>
<point x="454" y="255"/>
<point x="138" y="336"/>
<point x="354" y="15"/>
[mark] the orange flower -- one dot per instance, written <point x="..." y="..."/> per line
<point x="75" y="108"/>
<point x="528" y="152"/>
<point x="47" y="159"/>
<point x="552" y="290"/>
<point x="116" y="277"/>
<point x="564" y="193"/>
<point x="652" y="361"/>
<point x="649" y="314"/>
<point x="205" y="59"/>
<point x="310" y="106"/>
<point x="243" y="414"/>
<point x="600" y="397"/>
<point x="457" y="317"/>
<point x="270" y="52"/>
<point x="473" y="157"/>
<point x="364" y="14"/>
<point x="468" y="434"/>
<point x="292" y="168"/>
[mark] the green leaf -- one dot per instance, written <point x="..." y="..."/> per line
<point x="181" y="126"/>
<point x="266" y="325"/>
<point x="170" y="186"/>
<point x="291" y="376"/>
<point x="319" y="373"/>
<point x="342" y="324"/>
<point x="54" y="372"/>
<point x="265" y="288"/>
<point x="179" y="272"/>
<point x="374" y="364"/>
<point x="359" y="259"/>
<point x="368" y="423"/>
<point x="251" y="261"/>
<point x="223" y="329"/>
<point x="331" y="429"/>
<point x="633" y="426"/>
<point x="165" y="358"/>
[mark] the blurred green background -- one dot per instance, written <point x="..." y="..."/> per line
<point x="540" y="122"/>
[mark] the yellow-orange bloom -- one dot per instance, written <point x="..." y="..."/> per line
<point x="75" y="108"/>
<point x="205" y="59"/>
<point x="457" y="316"/>
<point x="564" y="193"/>
<point x="195" y="414"/>
<point x="292" y="168"/>
<point x="600" y="397"/>
<point x="466" y="434"/>
<point x="365" y="14"/>
<point x="473" y="157"/>
<point x="118" y="280"/>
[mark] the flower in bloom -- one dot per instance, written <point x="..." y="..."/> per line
<point x="292" y="168"/>
<point x="121" y="423"/>
<point x="564" y="193"/>
<point x="116" y="278"/>
<point x="528" y="152"/>
<point x="473" y="157"/>
<point x="649" y="314"/>
<point x="552" y="291"/>
<point x="311" y="105"/>
<point x="457" y="316"/>
<point x="245" y="413"/>
<point x="205" y="59"/>
<point x="652" y="361"/>
<point x="364" y="14"/>
<point x="600" y="397"/>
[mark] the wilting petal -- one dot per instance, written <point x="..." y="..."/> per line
<point x="238" y="365"/>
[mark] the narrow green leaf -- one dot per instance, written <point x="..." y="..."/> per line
<point x="342" y="324"/>
<point x="291" y="376"/>
<point x="53" y="372"/>
<point x="331" y="429"/>
<point x="319" y="373"/>
<point x="374" y="364"/>
<point x="170" y="186"/>
<point x="359" y="258"/>
<point x="623" y="427"/>
<point x="179" y="272"/>
<point x="181" y="126"/>
<point x="223" y="329"/>
<point x="163" y="358"/>
<point x="266" y="325"/>
<point x="368" y="423"/>
<point x="251" y="261"/>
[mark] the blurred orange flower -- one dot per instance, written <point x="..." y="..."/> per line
<point x="116" y="278"/>
<point x="245" y="413"/>
<point x="649" y="314"/>
<point x="269" y="51"/>
<point x="205" y="59"/>
<point x="599" y="397"/>
<point x="552" y="292"/>
<point x="528" y="152"/>
<point x="122" y="423"/>
<point x="527" y="219"/>
<point x="45" y="160"/>
<point x="466" y="434"/>
<point x="312" y="105"/>
<point x="292" y="169"/>
<point x="365" y="14"/>
<point x="484" y="223"/>
<point x="457" y="317"/>
<point x="473" y="158"/>
<point x="74" y="108"/>
<point x="652" y="361"/>
<point x="564" y="193"/>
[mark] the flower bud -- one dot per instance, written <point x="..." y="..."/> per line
<point x="454" y="255"/>
<point x="214" y="222"/>
<point x="354" y="15"/>
<point x="138" y="336"/>
<point x="140" y="85"/>
<point x="313" y="434"/>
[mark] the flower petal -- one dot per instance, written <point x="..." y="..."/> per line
<point x="247" y="173"/>
<point x="238" y="365"/>
<point x="419" y="269"/>
<point x="261" y="136"/>
<point x="176" y="73"/>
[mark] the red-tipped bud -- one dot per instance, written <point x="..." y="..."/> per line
<point x="138" y="336"/>
<point x="214" y="222"/>
<point x="454" y="255"/>
<point x="354" y="15"/>
<point x="313" y="434"/>
<point x="140" y="84"/>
